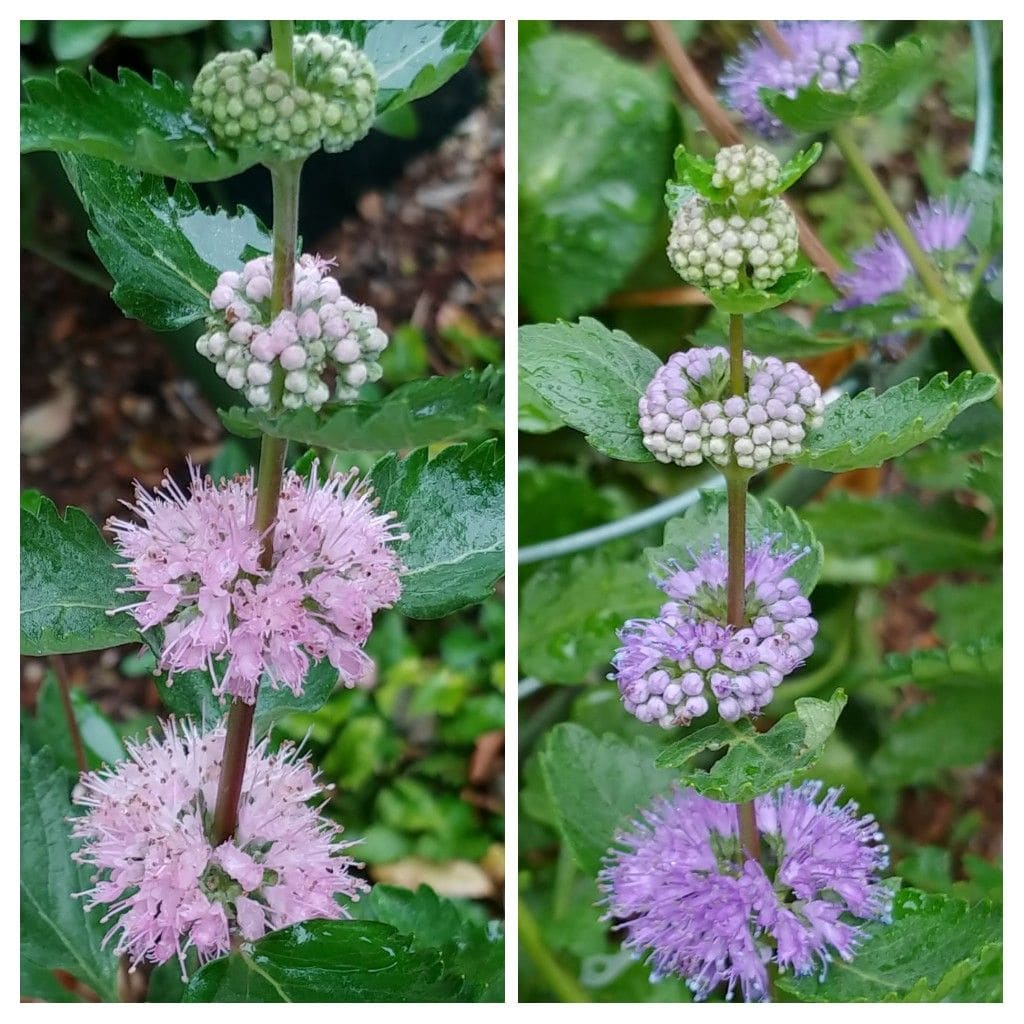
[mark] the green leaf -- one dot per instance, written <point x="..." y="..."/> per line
<point x="593" y="378"/>
<point x="796" y="167"/>
<point x="418" y="413"/>
<point x="535" y="415"/>
<point x="706" y="521"/>
<point x="960" y="725"/>
<point x="49" y="727"/>
<point x="597" y="786"/>
<point x="769" y="333"/>
<point x="870" y="429"/>
<point x="68" y="583"/>
<point x="470" y="949"/>
<point x="555" y="500"/>
<point x="325" y="961"/>
<point x="942" y="535"/>
<point x="595" y="144"/>
<point x="570" y="610"/>
<point x="747" y="300"/>
<point x="966" y="612"/>
<point x="755" y="762"/>
<point x="191" y="694"/>
<point x="148" y="126"/>
<point x="883" y="74"/>
<point x="56" y="931"/>
<point x="163" y="250"/>
<point x="71" y="40"/>
<point x="977" y="659"/>
<point x="453" y="507"/>
<point x="412" y="58"/>
<point x="934" y="942"/>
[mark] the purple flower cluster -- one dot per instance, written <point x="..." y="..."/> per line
<point x="668" y="668"/>
<point x="687" y="413"/>
<point x="688" y="895"/>
<point x="883" y="268"/>
<point x="324" y="330"/>
<point x="161" y="880"/>
<point x="195" y="562"/>
<point x="820" y="52"/>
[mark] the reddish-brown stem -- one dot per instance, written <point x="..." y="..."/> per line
<point x="715" y="118"/>
<point x="64" y="685"/>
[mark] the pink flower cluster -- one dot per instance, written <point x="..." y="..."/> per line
<point x="165" y="885"/>
<point x="194" y="561"/>
<point x="323" y="330"/>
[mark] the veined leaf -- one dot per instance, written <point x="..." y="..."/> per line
<point x="163" y="250"/>
<point x="870" y="429"/>
<point x="593" y="378"/>
<point x="596" y="787"/>
<point x="755" y="762"/>
<point x="56" y="930"/>
<point x="420" y="412"/>
<point x="453" y="508"/>
<point x="933" y="943"/>
<point x="148" y="126"/>
<point x="326" y="962"/>
<point x="68" y="584"/>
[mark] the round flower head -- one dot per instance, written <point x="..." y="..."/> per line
<point x="745" y="171"/>
<point x="820" y="52"/>
<point x="669" y="669"/>
<point x="883" y="268"/>
<point x="323" y="333"/>
<point x="194" y="562"/>
<point x="713" y="246"/>
<point x="251" y="103"/>
<point x="687" y="413"/>
<point x="686" y="893"/>
<point x="162" y="882"/>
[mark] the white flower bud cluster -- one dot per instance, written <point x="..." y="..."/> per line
<point x="746" y="171"/>
<point x="250" y="103"/>
<point x="712" y="248"/>
<point x="340" y="72"/>
<point x="324" y="330"/>
<point x="687" y="414"/>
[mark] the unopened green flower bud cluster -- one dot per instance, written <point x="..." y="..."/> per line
<point x="248" y="102"/>
<point x="747" y="238"/>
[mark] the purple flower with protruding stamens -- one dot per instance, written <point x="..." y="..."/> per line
<point x="820" y="52"/>
<point x="671" y="668"/>
<point x="688" y="896"/>
<point x="883" y="268"/>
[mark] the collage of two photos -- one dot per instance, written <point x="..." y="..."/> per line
<point x="725" y="570"/>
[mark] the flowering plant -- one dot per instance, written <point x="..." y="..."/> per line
<point x="727" y="733"/>
<point x="208" y="858"/>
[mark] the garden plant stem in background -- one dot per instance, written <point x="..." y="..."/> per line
<point x="285" y="183"/>
<point x="951" y="313"/>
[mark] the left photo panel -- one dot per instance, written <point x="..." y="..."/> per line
<point x="262" y="511"/>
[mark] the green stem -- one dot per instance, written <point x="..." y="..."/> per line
<point x="64" y="685"/>
<point x="563" y="984"/>
<point x="952" y="313"/>
<point x="284" y="180"/>
<point x="282" y="34"/>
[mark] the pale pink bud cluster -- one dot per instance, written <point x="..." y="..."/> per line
<point x="324" y="334"/>
<point x="167" y="888"/>
<point x="195" y="563"/>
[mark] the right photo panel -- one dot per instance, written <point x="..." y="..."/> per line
<point x="760" y="511"/>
